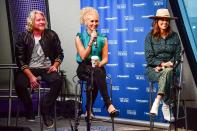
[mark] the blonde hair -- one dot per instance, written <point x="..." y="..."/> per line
<point x="85" y="12"/>
<point x="31" y="18"/>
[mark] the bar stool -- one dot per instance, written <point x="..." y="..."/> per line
<point x="9" y="67"/>
<point x="80" y="84"/>
<point x="42" y="90"/>
<point x="38" y="94"/>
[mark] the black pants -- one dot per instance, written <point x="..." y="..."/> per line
<point x="53" y="81"/>
<point x="84" y="71"/>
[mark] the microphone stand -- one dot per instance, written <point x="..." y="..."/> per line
<point x="89" y="94"/>
<point x="89" y="101"/>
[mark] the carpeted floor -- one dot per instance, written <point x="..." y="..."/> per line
<point x="65" y="125"/>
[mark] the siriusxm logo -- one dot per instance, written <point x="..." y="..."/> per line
<point x="112" y="42"/>
<point x="121" y="29"/>
<point x="138" y="29"/>
<point x="130" y="65"/>
<point x="115" y="88"/>
<point x="97" y="109"/>
<point x="122" y="53"/>
<point x="129" y="17"/>
<point x="111" y="18"/>
<point x="132" y="88"/>
<point x="131" y="112"/>
<point x="121" y="6"/>
<point x="139" y="77"/>
<point x="123" y="76"/>
<point x="104" y="7"/>
<point x="124" y="100"/>
<point x="130" y="41"/>
<point x="158" y="3"/>
<point x="138" y="53"/>
<point x="141" y="101"/>
<point x="104" y="31"/>
<point x="148" y="89"/>
<point x="112" y="65"/>
<point x="147" y="113"/>
<point x="139" y="5"/>
<point x="144" y="65"/>
<point x="146" y="16"/>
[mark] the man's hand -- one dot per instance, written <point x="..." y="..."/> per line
<point x="34" y="83"/>
<point x="52" y="69"/>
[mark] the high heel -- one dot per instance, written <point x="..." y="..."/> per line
<point x="112" y="111"/>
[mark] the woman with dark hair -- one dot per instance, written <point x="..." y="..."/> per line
<point x="162" y="49"/>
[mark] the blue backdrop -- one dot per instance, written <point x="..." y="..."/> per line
<point x="126" y="24"/>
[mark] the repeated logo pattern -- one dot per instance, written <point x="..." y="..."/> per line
<point x="126" y="24"/>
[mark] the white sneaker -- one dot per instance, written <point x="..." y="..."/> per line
<point x="167" y="113"/>
<point x="155" y="107"/>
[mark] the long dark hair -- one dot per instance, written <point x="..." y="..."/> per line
<point x="155" y="32"/>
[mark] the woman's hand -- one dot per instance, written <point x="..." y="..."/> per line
<point x="93" y="36"/>
<point x="158" y="69"/>
<point x="166" y="64"/>
<point x="98" y="64"/>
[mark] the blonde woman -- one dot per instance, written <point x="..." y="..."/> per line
<point x="92" y="43"/>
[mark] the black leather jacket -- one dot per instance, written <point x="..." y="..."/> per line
<point x="50" y="44"/>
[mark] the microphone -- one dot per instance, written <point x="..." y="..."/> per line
<point x="182" y="52"/>
<point x="95" y="39"/>
<point x="177" y="62"/>
<point x="95" y="42"/>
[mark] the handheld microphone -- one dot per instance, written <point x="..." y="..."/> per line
<point x="95" y="42"/>
<point x="95" y="38"/>
<point x="177" y="62"/>
<point x="182" y="52"/>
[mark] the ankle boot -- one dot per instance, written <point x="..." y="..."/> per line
<point x="155" y="107"/>
<point x="167" y="113"/>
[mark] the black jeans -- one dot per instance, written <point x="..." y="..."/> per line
<point x="84" y="71"/>
<point x="53" y="81"/>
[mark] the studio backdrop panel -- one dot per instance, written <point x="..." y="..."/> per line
<point x="126" y="23"/>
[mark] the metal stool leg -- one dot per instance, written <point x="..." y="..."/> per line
<point x="112" y="118"/>
<point x="55" y="117"/>
<point x="185" y="115"/>
<point x="151" y="90"/>
<point x="17" y="114"/>
<point x="39" y="96"/>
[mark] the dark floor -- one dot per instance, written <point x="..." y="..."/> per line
<point x="64" y="125"/>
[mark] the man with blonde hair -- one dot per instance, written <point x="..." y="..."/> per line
<point x="38" y="53"/>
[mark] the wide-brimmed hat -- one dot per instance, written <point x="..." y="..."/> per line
<point x="162" y="13"/>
